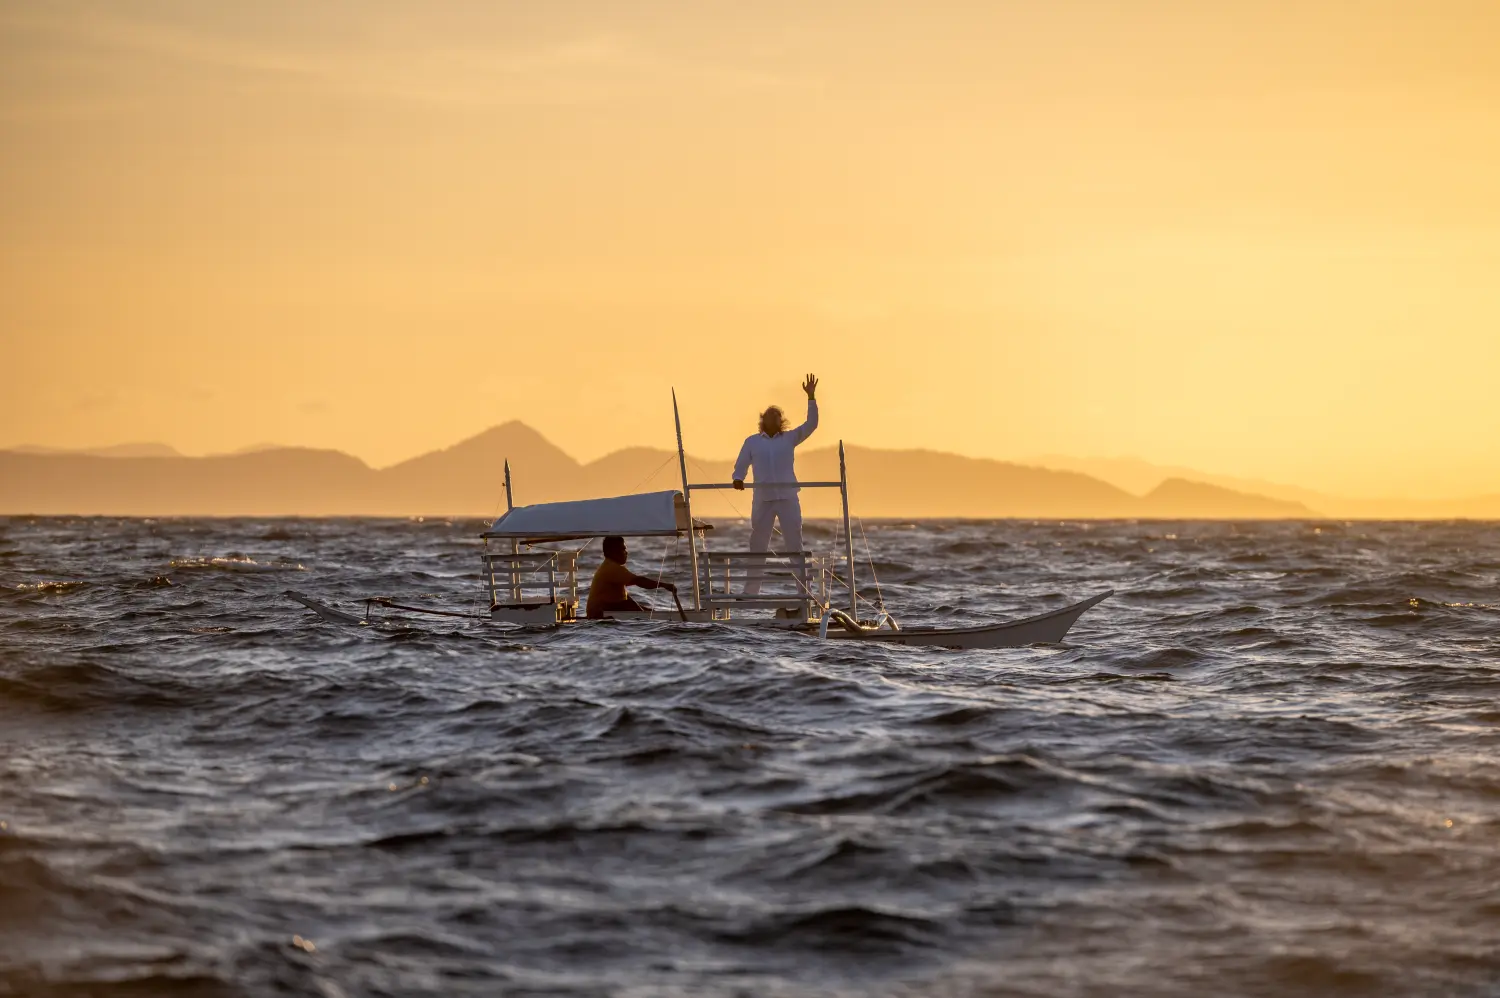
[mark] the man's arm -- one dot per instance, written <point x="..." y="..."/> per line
<point x="801" y="433"/>
<point x="645" y="583"/>
<point x="742" y="464"/>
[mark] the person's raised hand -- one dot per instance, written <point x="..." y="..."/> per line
<point x="810" y="385"/>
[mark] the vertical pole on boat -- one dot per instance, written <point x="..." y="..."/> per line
<point x="848" y="533"/>
<point x="687" y="502"/>
<point x="515" y="546"/>
<point x="489" y="573"/>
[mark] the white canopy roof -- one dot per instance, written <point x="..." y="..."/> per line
<point x="645" y="515"/>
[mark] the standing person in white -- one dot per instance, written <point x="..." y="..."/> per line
<point x="771" y="453"/>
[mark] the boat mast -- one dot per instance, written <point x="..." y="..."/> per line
<point x="848" y="534"/>
<point x="687" y="502"/>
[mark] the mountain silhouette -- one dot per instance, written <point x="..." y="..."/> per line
<point x="1142" y="477"/>
<point x="924" y="483"/>
<point x="468" y="479"/>
<point x="1177" y="498"/>
<point x="289" y="481"/>
<point x="113" y="450"/>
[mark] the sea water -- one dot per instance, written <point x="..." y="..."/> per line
<point x="1269" y="765"/>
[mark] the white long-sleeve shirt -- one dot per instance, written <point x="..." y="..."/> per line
<point x="773" y="458"/>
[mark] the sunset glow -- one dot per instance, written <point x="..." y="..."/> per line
<point x="1256" y="239"/>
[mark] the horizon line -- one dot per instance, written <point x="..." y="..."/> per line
<point x="1169" y="472"/>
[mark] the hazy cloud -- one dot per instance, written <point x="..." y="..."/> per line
<point x="596" y="66"/>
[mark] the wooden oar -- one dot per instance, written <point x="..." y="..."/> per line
<point x="680" y="611"/>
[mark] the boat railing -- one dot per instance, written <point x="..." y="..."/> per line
<point x="795" y="581"/>
<point x="842" y="484"/>
<point x="701" y="486"/>
<point x="528" y="578"/>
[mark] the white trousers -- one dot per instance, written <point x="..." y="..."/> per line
<point x="765" y="513"/>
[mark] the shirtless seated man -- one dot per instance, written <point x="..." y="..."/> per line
<point x="607" y="592"/>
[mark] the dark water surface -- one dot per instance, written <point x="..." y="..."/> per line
<point x="1268" y="766"/>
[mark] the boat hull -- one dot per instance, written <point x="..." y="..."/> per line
<point x="1042" y="629"/>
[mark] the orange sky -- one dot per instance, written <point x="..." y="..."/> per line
<point x="1254" y="237"/>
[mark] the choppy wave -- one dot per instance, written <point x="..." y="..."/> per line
<point x="50" y="588"/>
<point x="1265" y="768"/>
<point x="234" y="563"/>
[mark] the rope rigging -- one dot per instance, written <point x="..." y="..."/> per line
<point x="879" y="596"/>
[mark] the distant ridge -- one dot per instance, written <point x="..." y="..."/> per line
<point x="467" y="479"/>
<point x="113" y="450"/>
<point x="1142" y="477"/>
<point x="1178" y="498"/>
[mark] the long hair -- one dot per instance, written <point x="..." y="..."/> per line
<point x="774" y="413"/>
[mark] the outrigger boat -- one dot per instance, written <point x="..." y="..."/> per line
<point x="530" y="584"/>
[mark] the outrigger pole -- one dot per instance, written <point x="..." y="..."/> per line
<point x="687" y="502"/>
